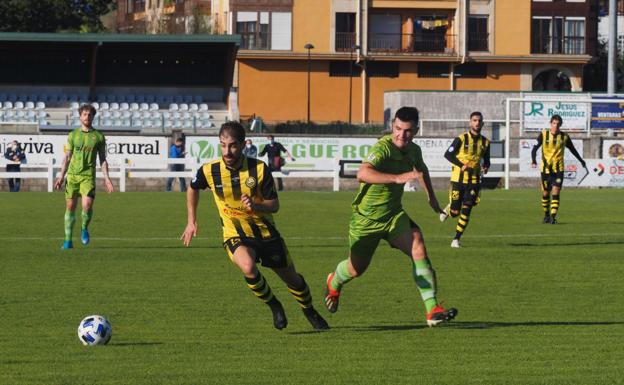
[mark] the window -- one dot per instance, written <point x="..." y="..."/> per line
<point x="345" y="31"/>
<point x="382" y="69"/>
<point x="433" y="70"/>
<point x="138" y="6"/>
<point x="471" y="70"/>
<point x="558" y="35"/>
<point x="478" y="36"/>
<point x="264" y="30"/>
<point x="341" y="69"/>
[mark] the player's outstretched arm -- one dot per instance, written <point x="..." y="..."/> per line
<point x="192" y="200"/>
<point x="368" y="174"/>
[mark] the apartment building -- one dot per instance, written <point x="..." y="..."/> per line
<point x="332" y="60"/>
<point x="164" y="16"/>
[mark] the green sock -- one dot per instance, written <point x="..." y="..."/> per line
<point x="70" y="219"/>
<point x="425" y="279"/>
<point x="86" y="218"/>
<point x="341" y="276"/>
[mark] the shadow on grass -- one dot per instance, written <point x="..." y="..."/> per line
<point x="560" y="244"/>
<point x="468" y="325"/>
<point x="122" y="344"/>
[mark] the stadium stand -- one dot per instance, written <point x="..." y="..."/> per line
<point x="135" y="82"/>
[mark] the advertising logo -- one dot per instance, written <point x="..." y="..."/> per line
<point x="202" y="149"/>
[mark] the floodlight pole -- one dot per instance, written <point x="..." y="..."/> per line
<point x="353" y="48"/>
<point x="612" y="49"/>
<point x="309" y="47"/>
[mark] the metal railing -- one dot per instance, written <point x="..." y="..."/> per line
<point x="440" y="43"/>
<point x="569" y="45"/>
<point x="345" y="41"/>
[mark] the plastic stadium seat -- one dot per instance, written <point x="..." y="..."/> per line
<point x="203" y="107"/>
<point x="167" y="124"/>
<point x="9" y="115"/>
<point x="116" y="114"/>
<point x="110" y="98"/>
<point x="40" y="106"/>
<point x="124" y="106"/>
<point x="198" y="99"/>
<point x="150" y="98"/>
<point x="188" y="98"/>
<point x="134" y="106"/>
<point x="105" y="114"/>
<point x="154" y="107"/>
<point x="3" y="97"/>
<point x="7" y="105"/>
<point x="18" y="105"/>
<point x="178" y="99"/>
<point x="29" y="105"/>
<point x="166" y="115"/>
<point x="140" y="98"/>
<point x="125" y="122"/>
<point x="184" y="107"/>
<point x="160" y="99"/>
<point x="101" y="98"/>
<point x="96" y="105"/>
<point x="43" y="122"/>
<point x="144" y="106"/>
<point x="42" y="114"/>
<point x="174" y="107"/>
<point x="175" y="115"/>
<point x="137" y="123"/>
<point x="117" y="122"/>
<point x="130" y="98"/>
<point x="193" y="107"/>
<point x="126" y="114"/>
<point x="74" y="105"/>
<point x="104" y="106"/>
<point x="114" y="106"/>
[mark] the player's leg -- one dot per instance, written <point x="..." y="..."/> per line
<point x="87" y="191"/>
<point x="72" y="190"/>
<point x="18" y="184"/>
<point x="447" y="209"/>
<point x="406" y="236"/>
<point x="554" y="203"/>
<point x="244" y="257"/>
<point x="470" y="198"/>
<point x="364" y="237"/>
<point x="299" y="289"/>
<point x="545" y="186"/>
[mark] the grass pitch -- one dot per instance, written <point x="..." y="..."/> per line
<point x="538" y="304"/>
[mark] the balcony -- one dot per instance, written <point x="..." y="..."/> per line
<point x="569" y="45"/>
<point x="345" y="41"/>
<point x="418" y="43"/>
<point x="478" y="42"/>
<point x="254" y="41"/>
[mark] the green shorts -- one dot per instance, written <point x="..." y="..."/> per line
<point x="365" y="234"/>
<point x="83" y="185"/>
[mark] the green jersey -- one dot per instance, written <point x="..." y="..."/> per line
<point x="85" y="147"/>
<point x="380" y="202"/>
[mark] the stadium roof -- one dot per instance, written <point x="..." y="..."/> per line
<point x="117" y="38"/>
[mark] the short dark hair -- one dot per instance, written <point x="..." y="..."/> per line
<point x="476" y="113"/>
<point x="557" y="117"/>
<point x="408" y="114"/>
<point x="88" y="107"/>
<point x="233" y="129"/>
<point x="270" y="137"/>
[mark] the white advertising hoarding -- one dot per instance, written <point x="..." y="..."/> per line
<point x="536" y="114"/>
<point x="317" y="153"/>
<point x="139" y="150"/>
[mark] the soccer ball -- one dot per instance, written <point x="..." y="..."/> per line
<point x="94" y="330"/>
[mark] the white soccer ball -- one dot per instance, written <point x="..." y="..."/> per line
<point x="94" y="330"/>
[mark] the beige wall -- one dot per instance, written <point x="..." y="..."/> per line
<point x="512" y="27"/>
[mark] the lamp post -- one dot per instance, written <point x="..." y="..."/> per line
<point x="354" y="47"/>
<point x="309" y="47"/>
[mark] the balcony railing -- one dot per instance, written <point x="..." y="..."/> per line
<point x="255" y="40"/>
<point x="437" y="43"/>
<point x="478" y="41"/>
<point x="345" y="41"/>
<point x="569" y="45"/>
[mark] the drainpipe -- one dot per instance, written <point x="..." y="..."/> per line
<point x="363" y="10"/>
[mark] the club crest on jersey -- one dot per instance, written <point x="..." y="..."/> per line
<point x="250" y="182"/>
<point x="558" y="180"/>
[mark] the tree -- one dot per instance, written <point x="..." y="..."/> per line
<point x="53" y="15"/>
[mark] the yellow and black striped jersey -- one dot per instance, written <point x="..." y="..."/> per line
<point x="254" y="179"/>
<point x="553" y="146"/>
<point x="468" y="149"/>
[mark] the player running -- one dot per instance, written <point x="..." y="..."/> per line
<point x="244" y="192"/>
<point x="83" y="145"/>
<point x="553" y="143"/>
<point x="377" y="214"/>
<point x="465" y="153"/>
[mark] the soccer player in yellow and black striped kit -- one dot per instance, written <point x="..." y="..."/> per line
<point x="553" y="143"/>
<point x="245" y="196"/>
<point x="465" y="153"/>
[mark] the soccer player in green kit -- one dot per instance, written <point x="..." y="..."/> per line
<point x="83" y="145"/>
<point x="377" y="214"/>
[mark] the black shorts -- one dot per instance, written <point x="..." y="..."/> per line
<point x="462" y="194"/>
<point x="550" y="180"/>
<point x="269" y="252"/>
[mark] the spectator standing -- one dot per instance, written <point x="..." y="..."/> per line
<point x="16" y="156"/>
<point x="250" y="150"/>
<point x="274" y="152"/>
<point x="177" y="152"/>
